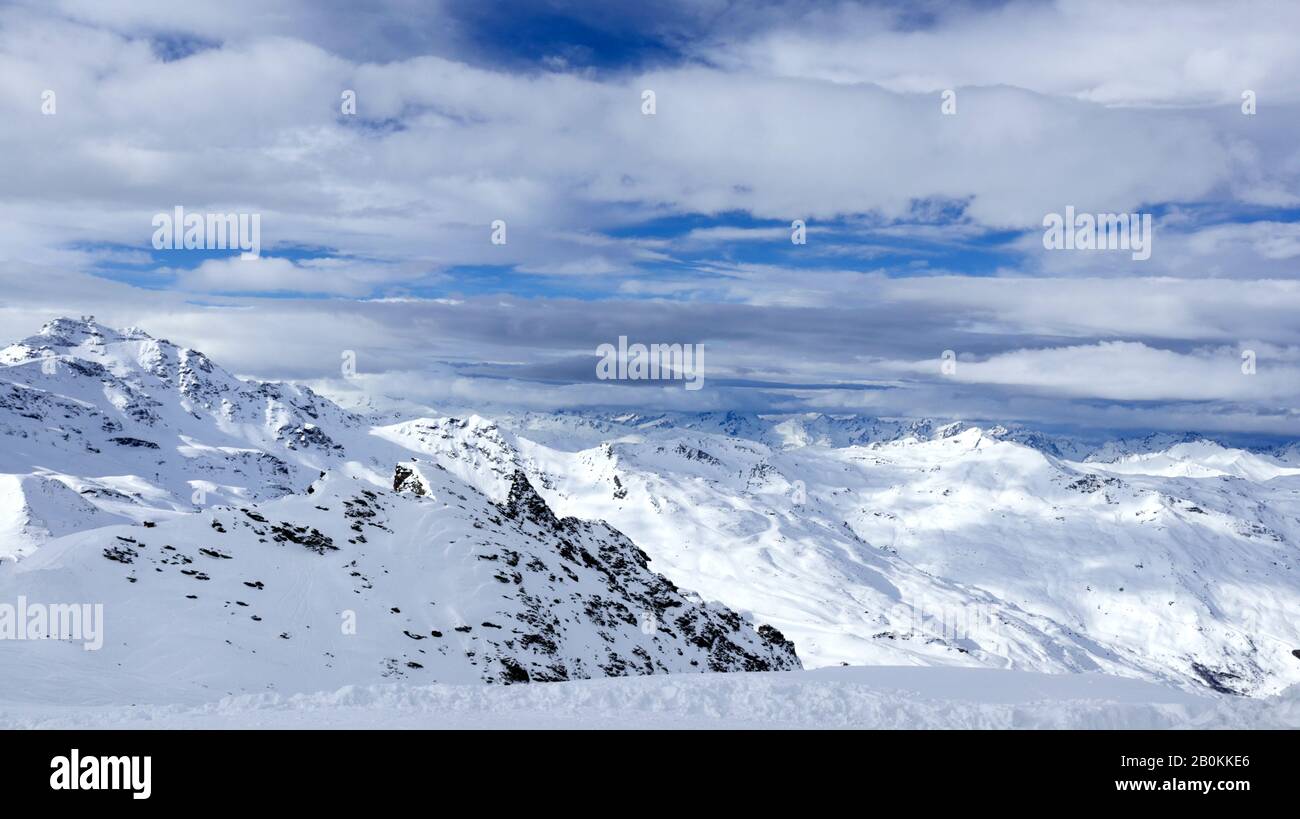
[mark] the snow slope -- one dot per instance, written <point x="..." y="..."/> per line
<point x="35" y="508"/>
<point x="880" y="697"/>
<point x="353" y="583"/>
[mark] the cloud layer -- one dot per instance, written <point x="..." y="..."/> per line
<point x="923" y="228"/>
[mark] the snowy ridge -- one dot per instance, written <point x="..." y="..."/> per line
<point x="139" y="425"/>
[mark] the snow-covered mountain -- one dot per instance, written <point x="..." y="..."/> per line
<point x="863" y="540"/>
<point x="274" y="582"/>
<point x="962" y="547"/>
<point x="348" y="583"/>
<point x="141" y="427"/>
<point x="792" y="431"/>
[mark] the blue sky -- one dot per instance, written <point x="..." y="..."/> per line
<point x="924" y="228"/>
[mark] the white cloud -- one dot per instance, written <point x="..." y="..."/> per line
<point x="1106" y="51"/>
<point x="1130" y="371"/>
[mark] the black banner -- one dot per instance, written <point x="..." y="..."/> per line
<point x="243" y="769"/>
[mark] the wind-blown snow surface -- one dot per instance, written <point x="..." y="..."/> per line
<point x="140" y="474"/>
<point x="880" y="697"/>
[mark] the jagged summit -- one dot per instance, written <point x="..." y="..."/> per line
<point x="143" y="427"/>
<point x="523" y="502"/>
<point x="66" y="331"/>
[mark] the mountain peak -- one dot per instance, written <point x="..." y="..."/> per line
<point x="523" y="502"/>
<point x="65" y="331"/>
